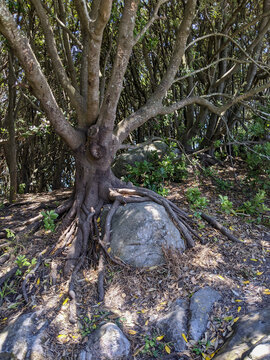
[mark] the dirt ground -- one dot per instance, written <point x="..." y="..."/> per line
<point x="136" y="298"/>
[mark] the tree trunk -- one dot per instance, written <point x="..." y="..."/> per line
<point x="10" y="147"/>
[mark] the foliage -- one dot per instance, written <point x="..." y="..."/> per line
<point x="49" y="217"/>
<point x="195" y="199"/>
<point x="156" y="172"/>
<point x="256" y="205"/>
<point x="21" y="188"/>
<point x="22" y="261"/>
<point x="226" y="204"/>
<point x="222" y="185"/>
<point x="154" y="347"/>
<point x="10" y="234"/>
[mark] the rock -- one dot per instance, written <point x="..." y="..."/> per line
<point x="250" y="338"/>
<point x="261" y="351"/>
<point x="141" y="153"/>
<point x="23" y="338"/>
<point x="174" y="324"/>
<point x="106" y="343"/>
<point x="200" y="307"/>
<point x="140" y="230"/>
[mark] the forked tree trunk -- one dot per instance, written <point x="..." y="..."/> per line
<point x="94" y="183"/>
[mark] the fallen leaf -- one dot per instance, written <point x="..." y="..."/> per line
<point x="239" y="309"/>
<point x="253" y="259"/>
<point x="184" y="337"/>
<point x="236" y="319"/>
<point x="38" y="281"/>
<point x="167" y="349"/>
<point x="146" y="323"/>
<point x="64" y="303"/>
<point x="259" y="273"/>
<point x="132" y="332"/>
<point x="246" y="282"/>
<point x="221" y="277"/>
<point x="160" y="337"/>
<point x="238" y="300"/>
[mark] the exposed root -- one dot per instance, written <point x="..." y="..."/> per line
<point x="179" y="218"/>
<point x="106" y="240"/>
<point x="220" y="227"/>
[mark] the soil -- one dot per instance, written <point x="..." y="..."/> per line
<point x="134" y="299"/>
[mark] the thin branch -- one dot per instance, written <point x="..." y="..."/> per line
<point x="192" y="73"/>
<point x="150" y="22"/>
<point x="74" y="95"/>
<point x="63" y="26"/>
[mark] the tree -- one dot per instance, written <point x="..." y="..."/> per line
<point x="80" y="39"/>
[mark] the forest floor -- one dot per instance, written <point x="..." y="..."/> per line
<point x="133" y="298"/>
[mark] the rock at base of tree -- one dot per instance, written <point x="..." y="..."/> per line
<point x="141" y="153"/>
<point x="200" y="307"/>
<point x="106" y="343"/>
<point x="251" y="338"/>
<point x="139" y="231"/>
<point x="174" y="324"/>
<point x="23" y="338"/>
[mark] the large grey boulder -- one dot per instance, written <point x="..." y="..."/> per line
<point x="251" y="338"/>
<point x="139" y="231"/>
<point x="106" y="343"/>
<point x="174" y="324"/>
<point x="200" y="306"/>
<point x="22" y="339"/>
<point x="141" y="153"/>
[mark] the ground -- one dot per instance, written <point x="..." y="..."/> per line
<point x="135" y="298"/>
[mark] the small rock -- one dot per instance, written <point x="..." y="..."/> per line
<point x="139" y="231"/>
<point x="106" y="343"/>
<point x="174" y="324"/>
<point x="250" y="339"/>
<point x="23" y="338"/>
<point x="200" y="307"/>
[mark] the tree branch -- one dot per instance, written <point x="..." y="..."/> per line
<point x="73" y="93"/>
<point x="150" y="22"/>
<point x="124" y="49"/>
<point x="36" y="78"/>
<point x="96" y="34"/>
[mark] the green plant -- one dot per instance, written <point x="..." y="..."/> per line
<point x="222" y="185"/>
<point x="154" y="347"/>
<point x="10" y="234"/>
<point x="21" y="188"/>
<point x="155" y="172"/>
<point x="5" y="290"/>
<point x="226" y="204"/>
<point x="49" y="217"/>
<point x="255" y="206"/>
<point x="195" y="199"/>
<point x="22" y="261"/>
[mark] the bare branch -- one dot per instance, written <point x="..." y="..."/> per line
<point x="74" y="95"/>
<point x="192" y="73"/>
<point x="64" y="27"/>
<point x="150" y="22"/>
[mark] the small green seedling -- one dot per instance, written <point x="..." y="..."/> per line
<point x="49" y="217"/>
